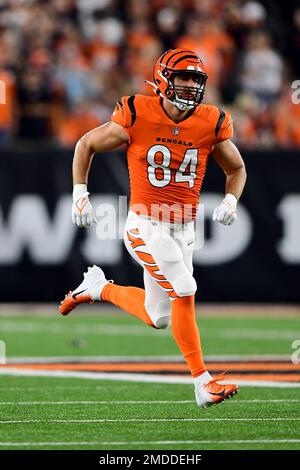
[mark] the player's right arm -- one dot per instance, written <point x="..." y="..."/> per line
<point x="100" y="139"/>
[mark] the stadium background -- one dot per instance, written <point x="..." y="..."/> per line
<point x="98" y="378"/>
<point x="65" y="63"/>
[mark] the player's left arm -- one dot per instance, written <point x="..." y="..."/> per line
<point x="229" y="159"/>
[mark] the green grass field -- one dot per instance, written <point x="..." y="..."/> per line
<point x="120" y="334"/>
<point x="69" y="413"/>
<point x="241" y="423"/>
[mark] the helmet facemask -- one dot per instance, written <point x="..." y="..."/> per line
<point x="186" y="97"/>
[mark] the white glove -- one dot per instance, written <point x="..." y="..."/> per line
<point x="82" y="210"/>
<point x="225" y="213"/>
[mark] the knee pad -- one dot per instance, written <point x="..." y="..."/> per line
<point x="185" y="285"/>
<point x="160" y="313"/>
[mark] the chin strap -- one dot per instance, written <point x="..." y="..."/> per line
<point x="180" y="106"/>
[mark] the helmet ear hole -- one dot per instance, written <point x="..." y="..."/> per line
<point x="165" y="72"/>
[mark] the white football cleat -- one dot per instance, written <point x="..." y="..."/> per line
<point x="208" y="392"/>
<point x="87" y="292"/>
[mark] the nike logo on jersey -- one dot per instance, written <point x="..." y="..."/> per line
<point x="77" y="293"/>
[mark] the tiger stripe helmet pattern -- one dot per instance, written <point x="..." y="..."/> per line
<point x="178" y="61"/>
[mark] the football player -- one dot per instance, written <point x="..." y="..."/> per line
<point x="169" y="138"/>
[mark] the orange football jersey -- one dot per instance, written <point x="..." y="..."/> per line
<point x="167" y="160"/>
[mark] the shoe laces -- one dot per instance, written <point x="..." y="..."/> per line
<point x="91" y="268"/>
<point x="218" y="377"/>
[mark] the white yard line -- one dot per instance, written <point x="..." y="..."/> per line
<point x="23" y="327"/>
<point x="96" y="402"/>
<point x="266" y="335"/>
<point x="142" y="359"/>
<point x="207" y="309"/>
<point x="126" y="443"/>
<point x="134" y="402"/>
<point x="141" y="420"/>
<point x="127" y="377"/>
<point x="52" y="387"/>
<point x="32" y="327"/>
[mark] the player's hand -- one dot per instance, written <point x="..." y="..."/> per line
<point x="225" y="213"/>
<point x="82" y="209"/>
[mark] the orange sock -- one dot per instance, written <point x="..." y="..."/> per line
<point x="186" y="333"/>
<point x="130" y="299"/>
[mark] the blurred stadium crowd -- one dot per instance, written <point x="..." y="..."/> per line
<point x="65" y="63"/>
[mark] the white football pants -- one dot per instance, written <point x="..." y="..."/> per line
<point x="165" y="251"/>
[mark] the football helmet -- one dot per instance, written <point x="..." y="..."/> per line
<point x="175" y="62"/>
